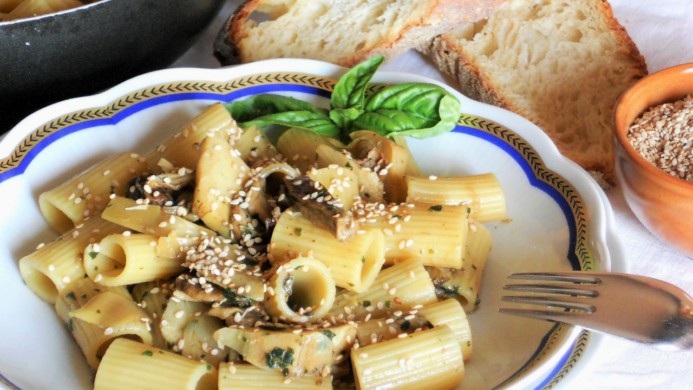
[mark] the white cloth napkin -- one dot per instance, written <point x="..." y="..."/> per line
<point x="663" y="32"/>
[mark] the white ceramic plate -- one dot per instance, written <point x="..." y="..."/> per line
<point x="558" y="217"/>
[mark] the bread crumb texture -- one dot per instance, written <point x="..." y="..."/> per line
<point x="560" y="63"/>
<point x="345" y="32"/>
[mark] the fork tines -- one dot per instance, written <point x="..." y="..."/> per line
<point x="564" y="295"/>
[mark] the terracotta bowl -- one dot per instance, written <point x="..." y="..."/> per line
<point x="663" y="203"/>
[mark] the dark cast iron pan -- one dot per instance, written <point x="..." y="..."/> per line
<point x="87" y="49"/>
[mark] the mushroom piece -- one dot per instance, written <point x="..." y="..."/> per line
<point x="316" y="203"/>
<point x="388" y="159"/>
<point x="164" y="189"/>
<point x="187" y="288"/>
<point x="256" y="214"/>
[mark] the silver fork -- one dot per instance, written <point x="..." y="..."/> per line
<point x="635" y="307"/>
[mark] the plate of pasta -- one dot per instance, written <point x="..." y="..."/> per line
<point x="197" y="228"/>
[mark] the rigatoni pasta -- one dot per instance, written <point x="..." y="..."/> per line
<point x="481" y="193"/>
<point x="353" y="264"/>
<point x="97" y="315"/>
<point x="435" y="234"/>
<point x="226" y="258"/>
<point x="128" y="364"/>
<point x="119" y="260"/>
<point x="430" y="358"/>
<point x="300" y="290"/>
<point x="87" y="194"/>
<point x="249" y="377"/>
<point x="54" y="266"/>
<point x="20" y="9"/>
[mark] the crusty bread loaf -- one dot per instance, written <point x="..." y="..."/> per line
<point x="343" y="32"/>
<point x="560" y="63"/>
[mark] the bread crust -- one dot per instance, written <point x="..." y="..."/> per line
<point x="439" y="16"/>
<point x="453" y="60"/>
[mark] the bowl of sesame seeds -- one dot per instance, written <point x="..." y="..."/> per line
<point x="653" y="124"/>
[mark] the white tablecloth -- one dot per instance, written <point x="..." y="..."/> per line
<point x="663" y="31"/>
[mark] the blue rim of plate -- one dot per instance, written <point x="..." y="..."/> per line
<point x="579" y="253"/>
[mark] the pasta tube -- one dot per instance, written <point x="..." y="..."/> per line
<point x="87" y="194"/>
<point x="388" y="159"/>
<point x="370" y="187"/>
<point x="341" y="183"/>
<point x="152" y="297"/>
<point x="96" y="315"/>
<point x="31" y="8"/>
<point x="400" y="287"/>
<point x="151" y="219"/>
<point x="353" y="264"/>
<point x="253" y="146"/>
<point x="300" y="290"/>
<point x="428" y="359"/>
<point x="220" y="172"/>
<point x="249" y="377"/>
<point x="435" y="234"/>
<point x="128" y="364"/>
<point x="119" y="260"/>
<point x="450" y="313"/>
<point x="8" y="5"/>
<point x="293" y="354"/>
<point x="52" y="268"/>
<point x="464" y="284"/>
<point x="183" y="149"/>
<point x="481" y="193"/>
<point x="298" y="146"/>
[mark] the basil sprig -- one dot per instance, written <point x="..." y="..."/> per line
<point x="411" y="109"/>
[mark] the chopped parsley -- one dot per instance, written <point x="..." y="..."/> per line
<point x="148" y="353"/>
<point x="279" y="358"/>
<point x="297" y="232"/>
<point x="70" y="296"/>
<point x="330" y="334"/>
<point x="436" y="208"/>
<point x="231" y="299"/>
<point x="448" y="291"/>
<point x="93" y="254"/>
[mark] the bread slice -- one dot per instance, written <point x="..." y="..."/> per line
<point x="343" y="32"/>
<point x="560" y="63"/>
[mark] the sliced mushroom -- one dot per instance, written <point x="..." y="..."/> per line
<point x="316" y="203"/>
<point x="188" y="288"/>
<point x="163" y="189"/>
<point x="256" y="214"/>
<point x="388" y="159"/>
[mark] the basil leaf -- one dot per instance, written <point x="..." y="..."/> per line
<point x="343" y="117"/>
<point x="350" y="90"/>
<point x="410" y="109"/>
<point x="385" y="122"/>
<point x="265" y="104"/>
<point x="317" y="122"/>
<point x="449" y="112"/>
<point x="411" y="97"/>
